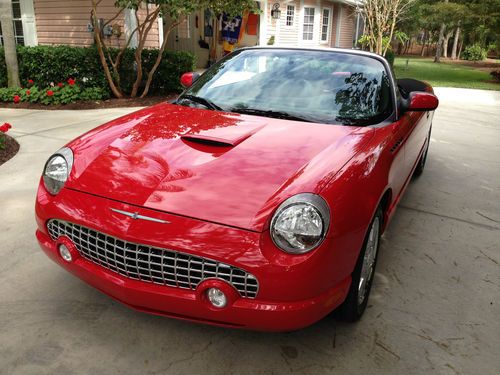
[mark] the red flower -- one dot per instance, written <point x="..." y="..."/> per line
<point x="60" y="84"/>
<point x="71" y="81"/>
<point x="5" y="127"/>
<point x="17" y="99"/>
<point x="50" y="92"/>
<point x="30" y="81"/>
<point x="28" y="92"/>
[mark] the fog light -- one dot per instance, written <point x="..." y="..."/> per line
<point x="65" y="253"/>
<point x="217" y="297"/>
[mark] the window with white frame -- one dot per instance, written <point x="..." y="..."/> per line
<point x="325" y="25"/>
<point x="290" y="14"/>
<point x="308" y="29"/>
<point x="18" y="24"/>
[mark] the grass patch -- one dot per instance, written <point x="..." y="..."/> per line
<point x="444" y="74"/>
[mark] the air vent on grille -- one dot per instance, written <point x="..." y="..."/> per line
<point x="151" y="264"/>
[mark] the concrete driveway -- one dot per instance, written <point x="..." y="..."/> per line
<point x="434" y="308"/>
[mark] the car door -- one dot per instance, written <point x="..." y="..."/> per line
<point x="418" y="130"/>
<point x="398" y="173"/>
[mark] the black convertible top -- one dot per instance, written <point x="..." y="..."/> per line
<point x="408" y="85"/>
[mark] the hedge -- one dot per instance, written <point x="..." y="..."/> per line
<point x="52" y="64"/>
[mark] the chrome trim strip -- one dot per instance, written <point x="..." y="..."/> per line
<point x="136" y="216"/>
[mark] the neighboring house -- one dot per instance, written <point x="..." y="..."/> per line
<point x="56" y="22"/>
<point x="311" y="23"/>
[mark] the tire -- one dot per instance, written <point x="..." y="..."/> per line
<point x="357" y="298"/>
<point x="421" y="163"/>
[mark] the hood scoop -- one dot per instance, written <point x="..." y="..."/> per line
<point x="224" y="136"/>
<point x="208" y="141"/>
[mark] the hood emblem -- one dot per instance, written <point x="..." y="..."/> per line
<point x="136" y="216"/>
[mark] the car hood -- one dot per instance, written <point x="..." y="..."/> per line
<point x="220" y="167"/>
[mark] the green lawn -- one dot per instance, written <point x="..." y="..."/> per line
<point x="443" y="74"/>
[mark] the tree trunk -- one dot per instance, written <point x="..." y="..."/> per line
<point x="9" y="43"/>
<point x="446" y="43"/>
<point x="158" y="59"/>
<point x="445" y="47"/>
<point x="439" y="45"/>
<point x="460" y="48"/>
<point x="424" y="42"/>
<point x="116" y="90"/>
<point x="455" y="44"/>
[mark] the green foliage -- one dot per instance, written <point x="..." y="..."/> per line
<point x="389" y="55"/>
<point x="401" y="36"/>
<point x="53" y="95"/>
<point x="474" y="53"/>
<point x="7" y="93"/>
<point x="92" y="94"/>
<point x="47" y="65"/>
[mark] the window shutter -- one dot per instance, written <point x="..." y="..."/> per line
<point x="28" y="20"/>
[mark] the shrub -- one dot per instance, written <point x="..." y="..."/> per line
<point x="59" y="94"/>
<point x="3" y="129"/>
<point x="474" y="53"/>
<point x="51" y="64"/>
<point x="389" y="56"/>
<point x="495" y="75"/>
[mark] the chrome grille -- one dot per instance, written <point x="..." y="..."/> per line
<point x="151" y="264"/>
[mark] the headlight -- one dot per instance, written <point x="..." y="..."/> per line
<point x="300" y="223"/>
<point x="57" y="170"/>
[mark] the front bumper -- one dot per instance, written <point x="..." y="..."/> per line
<point x="294" y="291"/>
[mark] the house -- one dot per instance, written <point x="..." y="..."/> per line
<point x="309" y="23"/>
<point x="56" y="22"/>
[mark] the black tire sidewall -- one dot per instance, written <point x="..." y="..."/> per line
<point x="351" y="310"/>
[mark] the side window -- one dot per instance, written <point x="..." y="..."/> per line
<point x="308" y="29"/>
<point x="290" y="14"/>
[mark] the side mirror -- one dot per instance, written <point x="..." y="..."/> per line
<point x="419" y="101"/>
<point x="187" y="79"/>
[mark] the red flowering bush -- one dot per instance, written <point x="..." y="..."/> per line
<point x="59" y="93"/>
<point x="4" y="129"/>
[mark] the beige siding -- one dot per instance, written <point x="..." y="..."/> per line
<point x="65" y="22"/>
<point x="347" y="27"/>
<point x="288" y="35"/>
<point x="292" y="35"/>
<point x="271" y="23"/>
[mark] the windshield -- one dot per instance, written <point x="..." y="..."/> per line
<point x="316" y="86"/>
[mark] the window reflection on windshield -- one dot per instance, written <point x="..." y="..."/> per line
<point x="320" y="86"/>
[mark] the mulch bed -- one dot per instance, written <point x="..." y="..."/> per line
<point x="486" y="65"/>
<point x="110" y="103"/>
<point x="11" y="148"/>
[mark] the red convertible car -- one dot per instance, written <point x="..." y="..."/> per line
<point x="255" y="200"/>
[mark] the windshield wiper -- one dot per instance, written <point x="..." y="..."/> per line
<point x="205" y="102"/>
<point x="269" y="113"/>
